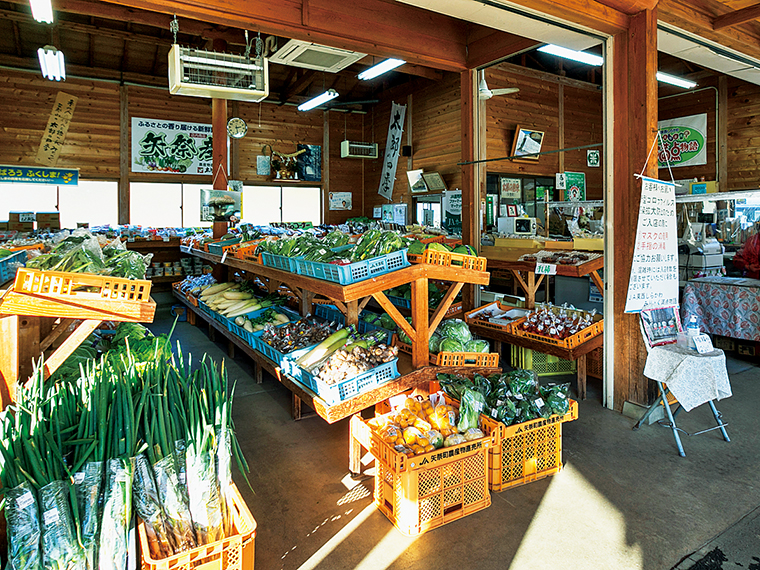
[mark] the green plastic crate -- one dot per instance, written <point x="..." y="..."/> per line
<point x="542" y="364"/>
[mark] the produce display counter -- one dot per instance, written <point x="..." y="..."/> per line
<point x="524" y="272"/>
<point x="410" y="378"/>
<point x="578" y="353"/>
<point x="351" y="299"/>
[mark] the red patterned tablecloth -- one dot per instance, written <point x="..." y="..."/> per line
<point x="726" y="306"/>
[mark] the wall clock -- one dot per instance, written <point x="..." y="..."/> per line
<point x="236" y="128"/>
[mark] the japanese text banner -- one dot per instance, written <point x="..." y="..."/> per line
<point x="56" y="129"/>
<point x="392" y="147"/>
<point x="654" y="270"/>
<point x="173" y="147"/>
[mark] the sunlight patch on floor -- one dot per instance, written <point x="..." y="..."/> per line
<point x="386" y="551"/>
<point x="574" y="512"/>
<point x="320" y="555"/>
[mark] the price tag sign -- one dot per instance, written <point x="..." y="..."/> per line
<point x="27" y="217"/>
<point x="703" y="343"/>
<point x="546" y="269"/>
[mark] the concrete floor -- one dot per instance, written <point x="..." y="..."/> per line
<point x="624" y="500"/>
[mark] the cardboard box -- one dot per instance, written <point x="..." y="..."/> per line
<point x="21" y="226"/>
<point x="3" y="226"/>
<point x="48" y="217"/>
<point x="704" y="187"/>
<point x="21" y="217"/>
<point x="49" y="225"/>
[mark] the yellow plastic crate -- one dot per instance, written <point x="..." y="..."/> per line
<point x="437" y="492"/>
<point x="525" y="452"/>
<point x="235" y="552"/>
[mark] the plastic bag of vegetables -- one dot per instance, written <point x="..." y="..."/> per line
<point x="478" y="346"/>
<point x="23" y="528"/>
<point x="472" y="404"/>
<point x="555" y="396"/>
<point x="522" y="382"/>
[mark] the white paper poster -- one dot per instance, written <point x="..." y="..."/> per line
<point x="173" y="147"/>
<point x="684" y="141"/>
<point x="392" y="146"/>
<point x="654" y="271"/>
<point x="340" y="200"/>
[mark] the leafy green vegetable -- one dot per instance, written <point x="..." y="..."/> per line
<point x="456" y="329"/>
<point x="450" y="345"/>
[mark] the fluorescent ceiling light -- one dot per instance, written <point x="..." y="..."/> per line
<point x="380" y="68"/>
<point x="52" y="63"/>
<point x="677" y="81"/>
<point x="216" y="63"/>
<point x="42" y="11"/>
<point x="318" y="100"/>
<point x="579" y="56"/>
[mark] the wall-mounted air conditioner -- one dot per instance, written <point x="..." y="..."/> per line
<point x="200" y="73"/>
<point x="314" y="56"/>
<point x="351" y="149"/>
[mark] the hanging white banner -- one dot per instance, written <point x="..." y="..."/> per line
<point x="392" y="147"/>
<point x="684" y="141"/>
<point x="653" y="283"/>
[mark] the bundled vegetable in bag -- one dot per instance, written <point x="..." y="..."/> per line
<point x="470" y="408"/>
<point x="60" y="550"/>
<point x="148" y="508"/>
<point x="117" y="513"/>
<point x="23" y="528"/>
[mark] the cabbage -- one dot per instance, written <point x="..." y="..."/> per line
<point x="450" y="345"/>
<point x="478" y="346"/>
<point x="456" y="329"/>
<point x="434" y="344"/>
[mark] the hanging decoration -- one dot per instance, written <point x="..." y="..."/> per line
<point x="285" y="166"/>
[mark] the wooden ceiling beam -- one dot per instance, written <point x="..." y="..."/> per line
<point x="377" y="27"/>
<point x="686" y="15"/>
<point x="298" y="85"/>
<point x="737" y="17"/>
<point x="495" y="47"/>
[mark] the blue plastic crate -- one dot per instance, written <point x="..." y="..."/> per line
<point x="204" y="307"/>
<point x="279" y="262"/>
<point x="9" y="265"/>
<point x="400" y="301"/>
<point x="347" y="389"/>
<point x="248" y="336"/>
<point x="331" y="313"/>
<point x="353" y="272"/>
<point x="282" y="360"/>
<point x="216" y="247"/>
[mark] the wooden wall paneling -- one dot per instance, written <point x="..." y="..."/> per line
<point x="346" y="174"/>
<point x="742" y="135"/>
<point x="561" y="130"/>
<point x="723" y="133"/>
<point x="471" y="211"/>
<point x="582" y="116"/>
<point x="688" y="103"/>
<point x="92" y="142"/>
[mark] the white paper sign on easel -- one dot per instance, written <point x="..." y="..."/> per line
<point x="653" y="282"/>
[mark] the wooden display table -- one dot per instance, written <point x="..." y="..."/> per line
<point x="578" y="353"/>
<point x="524" y="272"/>
<point x="351" y="299"/>
<point x="410" y="378"/>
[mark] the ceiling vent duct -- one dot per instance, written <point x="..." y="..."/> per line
<point x="314" y="56"/>
<point x="200" y="73"/>
<point x="350" y="149"/>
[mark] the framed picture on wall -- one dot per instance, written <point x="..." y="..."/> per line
<point x="526" y="143"/>
<point x="434" y="181"/>
<point x="511" y="210"/>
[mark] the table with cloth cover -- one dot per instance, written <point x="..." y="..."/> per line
<point x="693" y="379"/>
<point x="727" y="306"/>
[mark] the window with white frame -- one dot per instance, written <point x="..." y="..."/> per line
<point x="267" y="204"/>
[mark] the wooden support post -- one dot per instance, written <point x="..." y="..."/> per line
<point x="124" y="153"/>
<point x="635" y="111"/>
<point x="420" y="351"/>
<point x="470" y="178"/>
<point x="581" y="376"/>
<point x="352" y="313"/>
<point x="70" y="345"/>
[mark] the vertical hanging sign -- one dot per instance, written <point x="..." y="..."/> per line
<point x="392" y="146"/>
<point x="653" y="283"/>
<point x="56" y="129"/>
